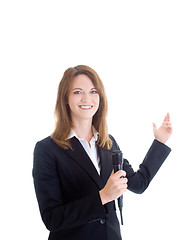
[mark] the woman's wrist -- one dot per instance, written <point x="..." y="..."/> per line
<point x="160" y="140"/>
<point x="102" y="197"/>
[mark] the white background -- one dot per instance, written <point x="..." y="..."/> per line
<point x="144" y="54"/>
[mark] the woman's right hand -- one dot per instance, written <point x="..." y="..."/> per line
<point x="115" y="187"/>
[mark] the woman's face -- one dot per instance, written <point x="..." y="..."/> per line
<point x="83" y="98"/>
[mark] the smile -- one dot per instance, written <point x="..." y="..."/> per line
<point x="86" y="106"/>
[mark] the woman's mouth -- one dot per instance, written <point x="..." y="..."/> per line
<point x="86" y="107"/>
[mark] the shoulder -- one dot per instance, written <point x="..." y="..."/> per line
<point x="46" y="145"/>
<point x="44" y="158"/>
<point x="46" y="152"/>
<point x="115" y="146"/>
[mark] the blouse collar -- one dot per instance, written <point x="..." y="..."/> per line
<point x="73" y="134"/>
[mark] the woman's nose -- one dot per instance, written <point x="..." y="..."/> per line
<point x="85" y="97"/>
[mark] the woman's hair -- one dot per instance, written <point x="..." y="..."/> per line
<point x="62" y="109"/>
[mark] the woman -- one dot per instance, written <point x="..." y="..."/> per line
<point x="73" y="172"/>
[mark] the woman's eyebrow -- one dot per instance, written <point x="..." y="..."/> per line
<point x="77" y="89"/>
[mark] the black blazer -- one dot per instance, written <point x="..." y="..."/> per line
<point x="67" y="187"/>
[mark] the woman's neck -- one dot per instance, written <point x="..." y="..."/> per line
<point x="83" y="129"/>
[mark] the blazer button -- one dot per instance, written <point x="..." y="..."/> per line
<point x="102" y="221"/>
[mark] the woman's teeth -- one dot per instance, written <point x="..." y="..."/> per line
<point x="85" y="107"/>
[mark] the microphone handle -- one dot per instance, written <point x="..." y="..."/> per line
<point x="120" y="199"/>
<point x="120" y="205"/>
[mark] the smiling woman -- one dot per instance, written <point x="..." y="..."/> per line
<point x="73" y="171"/>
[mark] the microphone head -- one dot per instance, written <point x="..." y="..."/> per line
<point x="117" y="158"/>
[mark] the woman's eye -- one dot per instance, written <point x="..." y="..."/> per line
<point x="94" y="92"/>
<point x="77" y="92"/>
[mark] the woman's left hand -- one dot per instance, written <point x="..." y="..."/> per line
<point x="163" y="133"/>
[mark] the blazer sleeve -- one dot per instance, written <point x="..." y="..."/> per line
<point x="56" y="214"/>
<point x="155" y="157"/>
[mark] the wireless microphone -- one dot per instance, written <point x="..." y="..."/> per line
<point x="117" y="160"/>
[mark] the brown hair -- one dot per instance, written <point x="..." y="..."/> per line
<point x="62" y="110"/>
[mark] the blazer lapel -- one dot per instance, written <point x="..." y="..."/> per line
<point x="106" y="164"/>
<point x="79" y="155"/>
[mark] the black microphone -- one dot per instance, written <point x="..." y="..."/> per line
<point x="117" y="160"/>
